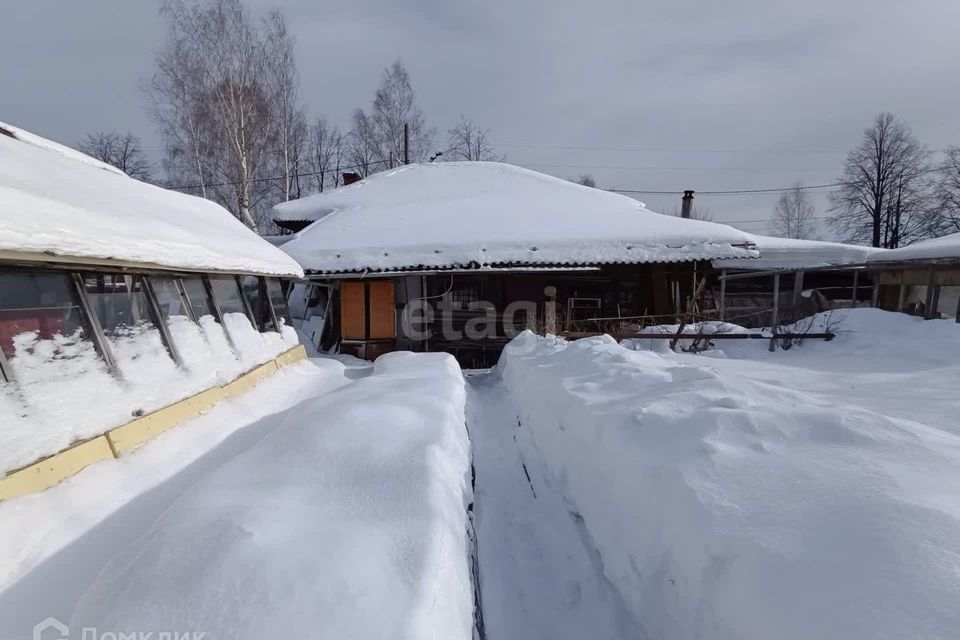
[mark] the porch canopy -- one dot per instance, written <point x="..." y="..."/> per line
<point x="489" y="215"/>
<point x="58" y="205"/>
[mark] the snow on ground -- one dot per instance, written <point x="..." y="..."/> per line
<point x="803" y="494"/>
<point x="77" y="525"/>
<point x="58" y="201"/>
<point x="348" y="519"/>
<point x="538" y="569"/>
<point x="485" y="213"/>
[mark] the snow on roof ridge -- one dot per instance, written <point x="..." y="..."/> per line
<point x="440" y="214"/>
<point x="55" y="147"/>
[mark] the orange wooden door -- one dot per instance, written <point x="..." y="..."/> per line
<point x="353" y="311"/>
<point x="383" y="319"/>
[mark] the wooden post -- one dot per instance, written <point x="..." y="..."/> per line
<point x="928" y="300"/>
<point x="406" y="143"/>
<point x="901" y="295"/>
<point x="856" y="283"/>
<point x="797" y="291"/>
<point x="957" y="319"/>
<point x="723" y="294"/>
<point x="935" y="303"/>
<point x="690" y="305"/>
<point x="775" y="316"/>
<point x="875" y="296"/>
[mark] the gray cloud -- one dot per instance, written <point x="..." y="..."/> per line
<point x="691" y="94"/>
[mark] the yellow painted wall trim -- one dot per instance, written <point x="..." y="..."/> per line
<point x="52" y="470"/>
<point x="124" y="439"/>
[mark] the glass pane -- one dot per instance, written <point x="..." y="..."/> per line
<point x="168" y="297"/>
<point x="197" y="294"/>
<point x="278" y="299"/>
<point x="39" y="311"/>
<point x="227" y="293"/>
<point x="258" y="303"/>
<point x="119" y="302"/>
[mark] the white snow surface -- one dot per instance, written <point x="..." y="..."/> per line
<point x="347" y="520"/>
<point x="804" y="494"/>
<point x="58" y="201"/>
<point x="787" y="253"/>
<point x="65" y="393"/>
<point x="454" y="214"/>
<point x="77" y="525"/>
<point x="944" y="247"/>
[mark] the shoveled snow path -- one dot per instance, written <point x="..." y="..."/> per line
<point x="540" y="575"/>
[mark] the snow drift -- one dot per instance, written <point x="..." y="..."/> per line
<point x="347" y="521"/>
<point x="727" y="508"/>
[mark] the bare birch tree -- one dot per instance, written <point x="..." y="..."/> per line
<point x="290" y="122"/>
<point x="121" y="150"/>
<point x="794" y="214"/>
<point x="326" y="153"/>
<point x="214" y="92"/>
<point x="377" y="139"/>
<point x="467" y="141"/>
<point x="948" y="191"/>
<point x="884" y="199"/>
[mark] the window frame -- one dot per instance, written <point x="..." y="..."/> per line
<point x="215" y="310"/>
<point x="285" y="311"/>
<point x="153" y="305"/>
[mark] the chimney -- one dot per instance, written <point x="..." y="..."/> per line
<point x="349" y="178"/>
<point x="687" y="207"/>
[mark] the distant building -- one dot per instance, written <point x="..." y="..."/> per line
<point x="460" y="256"/>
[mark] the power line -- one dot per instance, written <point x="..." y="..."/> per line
<point x="665" y="150"/>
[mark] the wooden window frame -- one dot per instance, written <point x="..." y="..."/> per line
<point x="154" y="305"/>
<point x="215" y="310"/>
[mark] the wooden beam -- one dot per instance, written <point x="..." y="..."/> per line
<point x="775" y="314"/>
<point x="723" y="294"/>
<point x="686" y="317"/>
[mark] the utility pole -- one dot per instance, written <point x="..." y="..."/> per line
<point x="406" y="143"/>
<point x="686" y="208"/>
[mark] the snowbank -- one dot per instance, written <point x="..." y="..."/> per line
<point x="50" y="407"/>
<point x="347" y="521"/>
<point x="76" y="526"/>
<point x="60" y="202"/>
<point x="487" y="213"/>
<point x="728" y="508"/>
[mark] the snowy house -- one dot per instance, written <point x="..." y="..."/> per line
<point x="922" y="278"/>
<point x="796" y="277"/>
<point x="118" y="300"/>
<point x="460" y="256"/>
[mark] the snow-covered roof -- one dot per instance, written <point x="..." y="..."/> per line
<point x="943" y="248"/>
<point x="484" y="214"/>
<point x="787" y="253"/>
<point x="56" y="201"/>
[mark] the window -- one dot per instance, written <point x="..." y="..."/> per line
<point x="120" y="303"/>
<point x="253" y="289"/>
<point x="278" y="299"/>
<point x="41" y="319"/>
<point x="169" y="299"/>
<point x="197" y="296"/>
<point x="227" y="293"/>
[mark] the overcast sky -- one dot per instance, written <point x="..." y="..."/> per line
<point x="645" y="95"/>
